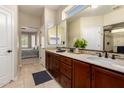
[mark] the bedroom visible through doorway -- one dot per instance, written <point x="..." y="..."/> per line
<point x="29" y="44"/>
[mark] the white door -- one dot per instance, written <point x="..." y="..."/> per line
<point x="5" y="47"/>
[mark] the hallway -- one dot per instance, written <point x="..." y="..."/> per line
<point x="25" y="79"/>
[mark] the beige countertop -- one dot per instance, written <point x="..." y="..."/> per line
<point x="116" y="65"/>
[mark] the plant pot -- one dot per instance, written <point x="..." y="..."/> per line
<point x="77" y="50"/>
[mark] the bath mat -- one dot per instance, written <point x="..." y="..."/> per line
<point x="41" y="77"/>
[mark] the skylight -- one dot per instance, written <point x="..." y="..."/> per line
<point x="75" y="9"/>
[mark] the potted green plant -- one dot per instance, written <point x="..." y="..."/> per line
<point x="80" y="43"/>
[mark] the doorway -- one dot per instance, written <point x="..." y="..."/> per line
<point x="29" y="45"/>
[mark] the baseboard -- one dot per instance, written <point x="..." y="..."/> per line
<point x="15" y="78"/>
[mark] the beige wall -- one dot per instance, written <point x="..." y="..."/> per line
<point x="59" y="13"/>
<point x="27" y="20"/>
<point x="49" y="17"/>
<point x="116" y="16"/>
<point x="89" y="28"/>
<point x="50" y="20"/>
<point x="73" y="31"/>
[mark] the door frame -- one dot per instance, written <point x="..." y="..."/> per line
<point x="13" y="45"/>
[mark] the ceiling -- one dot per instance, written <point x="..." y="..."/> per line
<point x="99" y="11"/>
<point x="37" y="10"/>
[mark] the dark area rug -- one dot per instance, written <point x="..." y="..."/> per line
<point x="41" y="77"/>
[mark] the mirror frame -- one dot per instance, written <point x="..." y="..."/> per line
<point x="111" y="27"/>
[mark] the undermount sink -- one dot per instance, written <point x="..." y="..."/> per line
<point x="119" y="64"/>
<point x="114" y="63"/>
<point x="100" y="59"/>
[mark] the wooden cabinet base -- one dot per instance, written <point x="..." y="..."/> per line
<point x="78" y="74"/>
<point x="65" y="82"/>
<point x="102" y="78"/>
<point x="81" y="75"/>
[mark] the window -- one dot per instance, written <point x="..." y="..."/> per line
<point x="75" y="9"/>
<point x="24" y="41"/>
<point x="72" y="10"/>
<point x="64" y="15"/>
<point x="33" y="41"/>
<point x="28" y="40"/>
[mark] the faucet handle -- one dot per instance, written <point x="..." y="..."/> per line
<point x="100" y="55"/>
<point x="113" y="56"/>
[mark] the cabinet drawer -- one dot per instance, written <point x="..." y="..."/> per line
<point x="65" y="82"/>
<point x="66" y="60"/>
<point x="58" y="57"/>
<point x="66" y="70"/>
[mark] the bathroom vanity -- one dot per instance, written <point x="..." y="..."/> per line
<point x="84" y="71"/>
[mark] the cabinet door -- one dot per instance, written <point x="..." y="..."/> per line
<point x="47" y="56"/>
<point x="65" y="82"/>
<point x="55" y="67"/>
<point x="81" y="74"/>
<point x="66" y="70"/>
<point x="103" y="78"/>
<point x="52" y="65"/>
<point x="49" y="62"/>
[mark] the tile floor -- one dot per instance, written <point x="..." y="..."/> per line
<point x="25" y="79"/>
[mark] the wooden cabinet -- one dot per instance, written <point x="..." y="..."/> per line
<point x="78" y="74"/>
<point x="56" y="68"/>
<point x="65" y="82"/>
<point x="60" y="68"/>
<point x="66" y="60"/>
<point x="48" y="61"/>
<point x="52" y="65"/>
<point x="66" y="71"/>
<point x="81" y="74"/>
<point x="104" y="78"/>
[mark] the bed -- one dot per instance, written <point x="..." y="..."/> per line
<point x="29" y="53"/>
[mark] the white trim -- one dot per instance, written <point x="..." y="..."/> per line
<point x="15" y="78"/>
<point x="14" y="57"/>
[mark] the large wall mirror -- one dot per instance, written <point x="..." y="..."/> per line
<point x="114" y="38"/>
<point x="93" y="25"/>
<point x="57" y="34"/>
<point x="52" y="36"/>
<point x="61" y="33"/>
